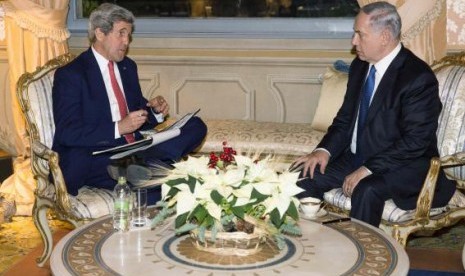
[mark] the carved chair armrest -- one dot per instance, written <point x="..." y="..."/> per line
<point x="426" y="195"/>
<point x="425" y="198"/>
<point x="456" y="159"/>
<point x="44" y="163"/>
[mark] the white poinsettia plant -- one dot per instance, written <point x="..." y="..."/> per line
<point x="221" y="193"/>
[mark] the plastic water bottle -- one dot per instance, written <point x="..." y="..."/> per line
<point x="121" y="212"/>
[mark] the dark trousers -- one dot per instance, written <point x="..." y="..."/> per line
<point x="367" y="198"/>
<point x="192" y="135"/>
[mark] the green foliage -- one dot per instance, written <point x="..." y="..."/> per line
<point x="162" y="214"/>
<point x="204" y="202"/>
<point x="291" y="229"/>
<point x="181" y="220"/>
<point x="218" y="198"/>
<point x="258" y="196"/>
<point x="191" y="181"/>
<point x="257" y="211"/>
<point x="186" y="228"/>
<point x="275" y="218"/>
<point x="292" y="211"/>
<point x="198" y="214"/>
<point x="201" y="233"/>
<point x="238" y="211"/>
<point x="280" y="241"/>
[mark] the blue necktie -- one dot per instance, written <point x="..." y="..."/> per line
<point x="368" y="89"/>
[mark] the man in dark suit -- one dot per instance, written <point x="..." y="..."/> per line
<point x="383" y="150"/>
<point x="98" y="104"/>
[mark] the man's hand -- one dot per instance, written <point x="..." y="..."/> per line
<point x="309" y="161"/>
<point x="132" y="122"/>
<point x="352" y="180"/>
<point x="159" y="104"/>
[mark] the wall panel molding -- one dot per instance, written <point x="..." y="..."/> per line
<point x="150" y="83"/>
<point x="239" y="91"/>
<point x="273" y="81"/>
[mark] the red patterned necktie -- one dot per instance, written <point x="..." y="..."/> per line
<point x="123" y="108"/>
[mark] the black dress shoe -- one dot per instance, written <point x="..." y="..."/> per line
<point x="148" y="175"/>
<point x="116" y="171"/>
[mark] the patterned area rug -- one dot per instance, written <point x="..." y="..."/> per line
<point x="452" y="238"/>
<point x="19" y="237"/>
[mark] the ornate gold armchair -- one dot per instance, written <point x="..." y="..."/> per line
<point x="399" y="223"/>
<point x="34" y="91"/>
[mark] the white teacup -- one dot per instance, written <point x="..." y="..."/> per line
<point x="310" y="206"/>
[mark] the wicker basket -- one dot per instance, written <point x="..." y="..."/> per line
<point x="230" y="243"/>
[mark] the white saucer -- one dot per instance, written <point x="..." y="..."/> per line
<point x="319" y="214"/>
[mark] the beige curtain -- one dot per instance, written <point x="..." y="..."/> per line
<point x="423" y="26"/>
<point x="35" y="32"/>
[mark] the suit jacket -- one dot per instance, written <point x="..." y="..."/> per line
<point x="82" y="116"/>
<point x="400" y="128"/>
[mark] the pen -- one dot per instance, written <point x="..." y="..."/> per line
<point x="148" y="116"/>
<point x="335" y="220"/>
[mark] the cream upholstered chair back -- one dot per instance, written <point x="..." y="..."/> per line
<point x="40" y="110"/>
<point x="34" y="91"/>
<point x="451" y="131"/>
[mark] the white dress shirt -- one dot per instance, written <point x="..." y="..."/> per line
<point x="381" y="67"/>
<point x="103" y="65"/>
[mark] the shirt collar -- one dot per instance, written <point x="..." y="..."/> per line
<point x="102" y="62"/>
<point x="382" y="65"/>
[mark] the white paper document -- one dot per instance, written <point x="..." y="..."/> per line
<point x="152" y="138"/>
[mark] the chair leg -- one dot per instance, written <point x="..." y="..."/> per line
<point x="400" y="236"/>
<point x="41" y="222"/>
<point x="398" y="233"/>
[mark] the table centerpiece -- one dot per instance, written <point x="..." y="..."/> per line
<point x="230" y="203"/>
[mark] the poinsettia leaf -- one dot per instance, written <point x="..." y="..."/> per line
<point x="199" y="213"/>
<point x="173" y="183"/>
<point x="181" y="220"/>
<point x="216" y="197"/>
<point x="238" y="211"/>
<point x="275" y="218"/>
<point x="191" y="181"/>
<point x="208" y="222"/>
<point x="259" y="197"/>
<point x="292" y="211"/>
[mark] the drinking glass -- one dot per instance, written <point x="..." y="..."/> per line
<point x="139" y="208"/>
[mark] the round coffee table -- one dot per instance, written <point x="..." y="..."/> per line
<point x="341" y="248"/>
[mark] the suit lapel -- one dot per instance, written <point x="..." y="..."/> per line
<point x="357" y="85"/>
<point x="386" y="85"/>
<point x="96" y="83"/>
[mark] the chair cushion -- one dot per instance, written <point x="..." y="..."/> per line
<point x="331" y="96"/>
<point x="391" y="212"/>
<point x="451" y="121"/>
<point x="261" y="137"/>
<point x="91" y="203"/>
<point x="457" y="200"/>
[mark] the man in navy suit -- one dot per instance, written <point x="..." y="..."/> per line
<point x="387" y="156"/>
<point x="90" y="116"/>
